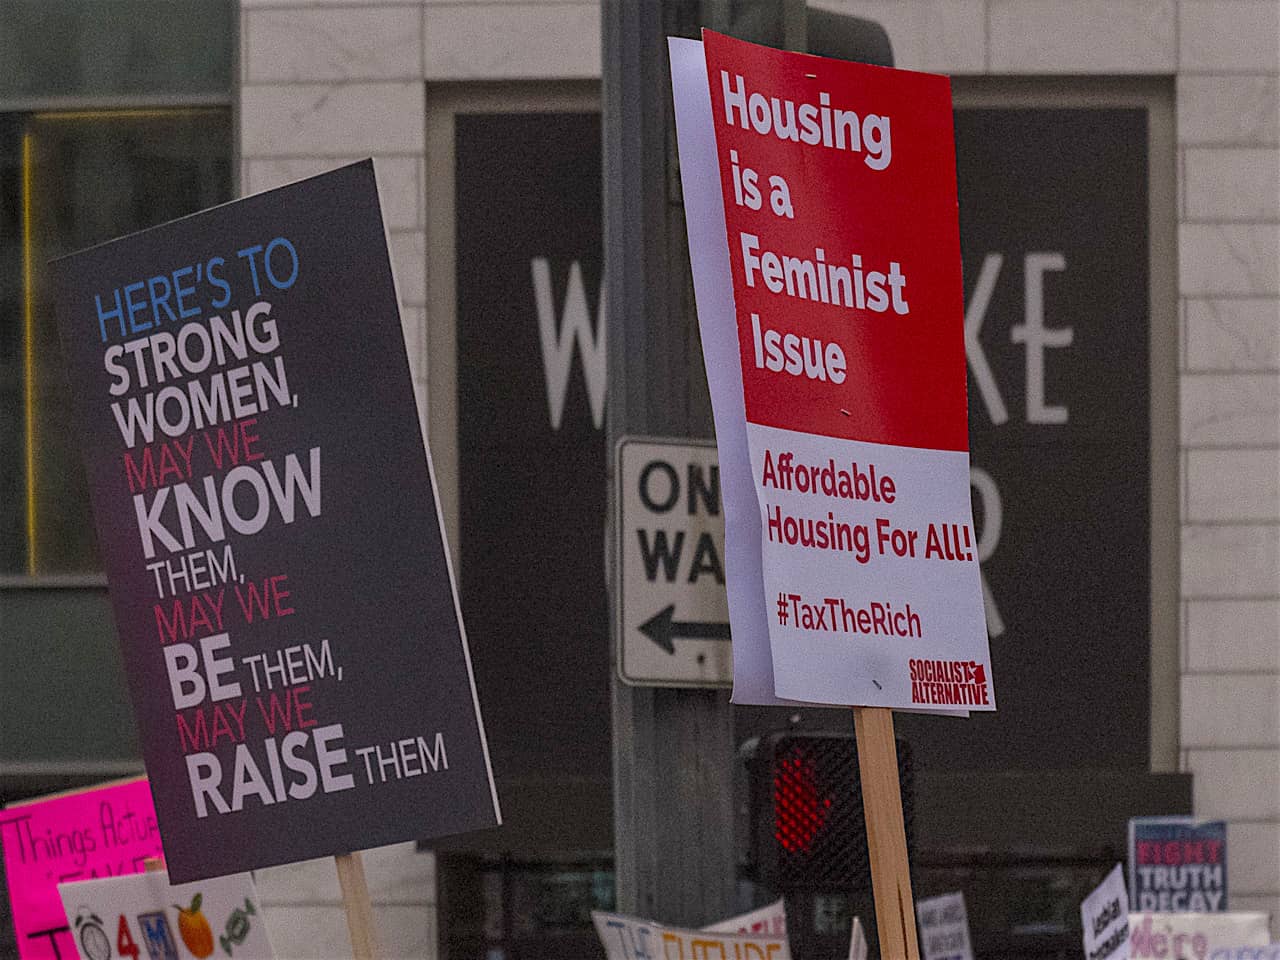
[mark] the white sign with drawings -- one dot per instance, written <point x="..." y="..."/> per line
<point x="944" y="928"/>
<point x="673" y="618"/>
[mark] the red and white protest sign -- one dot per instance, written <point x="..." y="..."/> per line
<point x="838" y="189"/>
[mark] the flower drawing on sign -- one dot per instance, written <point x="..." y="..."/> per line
<point x="194" y="928"/>
<point x="93" y="939"/>
<point x="237" y="927"/>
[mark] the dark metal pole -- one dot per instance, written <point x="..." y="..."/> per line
<point x="673" y="758"/>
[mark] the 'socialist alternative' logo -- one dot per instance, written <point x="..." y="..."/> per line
<point x="951" y="683"/>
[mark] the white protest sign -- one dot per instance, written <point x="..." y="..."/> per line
<point x="944" y="928"/>
<point x="1192" y="936"/>
<point x="769" y="919"/>
<point x="704" y="216"/>
<point x="1105" y="915"/>
<point x="143" y="915"/>
<point x="631" y="938"/>
<point x="857" y="941"/>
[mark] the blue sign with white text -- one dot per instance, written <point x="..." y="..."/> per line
<point x="1177" y="865"/>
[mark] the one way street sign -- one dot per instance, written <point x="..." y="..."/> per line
<point x="662" y="628"/>
<point x="669" y="594"/>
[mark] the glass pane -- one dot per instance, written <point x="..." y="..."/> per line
<point x="108" y="47"/>
<point x="12" y="429"/>
<point x="67" y="181"/>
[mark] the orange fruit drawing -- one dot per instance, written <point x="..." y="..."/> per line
<point x="194" y="928"/>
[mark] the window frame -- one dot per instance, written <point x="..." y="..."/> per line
<point x="229" y="100"/>
<point x="1155" y="95"/>
<point x="444" y="103"/>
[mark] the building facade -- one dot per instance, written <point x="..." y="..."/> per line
<point x="311" y="84"/>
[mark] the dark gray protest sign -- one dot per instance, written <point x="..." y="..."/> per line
<point x="269" y="523"/>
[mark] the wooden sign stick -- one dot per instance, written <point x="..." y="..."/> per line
<point x="355" y="897"/>
<point x="886" y="833"/>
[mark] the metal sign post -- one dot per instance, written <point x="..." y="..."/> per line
<point x="672" y="748"/>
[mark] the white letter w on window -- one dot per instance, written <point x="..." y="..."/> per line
<point x="557" y="347"/>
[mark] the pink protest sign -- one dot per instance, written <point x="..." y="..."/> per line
<point x="100" y="832"/>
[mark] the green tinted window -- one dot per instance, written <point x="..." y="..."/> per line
<point x="114" y="48"/>
<point x="68" y="180"/>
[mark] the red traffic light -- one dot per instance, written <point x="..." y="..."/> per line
<point x="799" y="812"/>
<point x="807" y="830"/>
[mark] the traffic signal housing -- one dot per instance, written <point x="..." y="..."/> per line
<point x="806" y="825"/>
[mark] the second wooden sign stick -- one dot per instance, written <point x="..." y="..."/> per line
<point x="886" y="833"/>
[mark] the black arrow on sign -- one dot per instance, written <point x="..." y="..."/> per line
<point x="663" y="629"/>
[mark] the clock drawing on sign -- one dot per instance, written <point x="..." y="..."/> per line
<point x="93" y="939"/>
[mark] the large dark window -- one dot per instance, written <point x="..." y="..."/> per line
<point x="114" y="116"/>
<point x="70" y="179"/>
